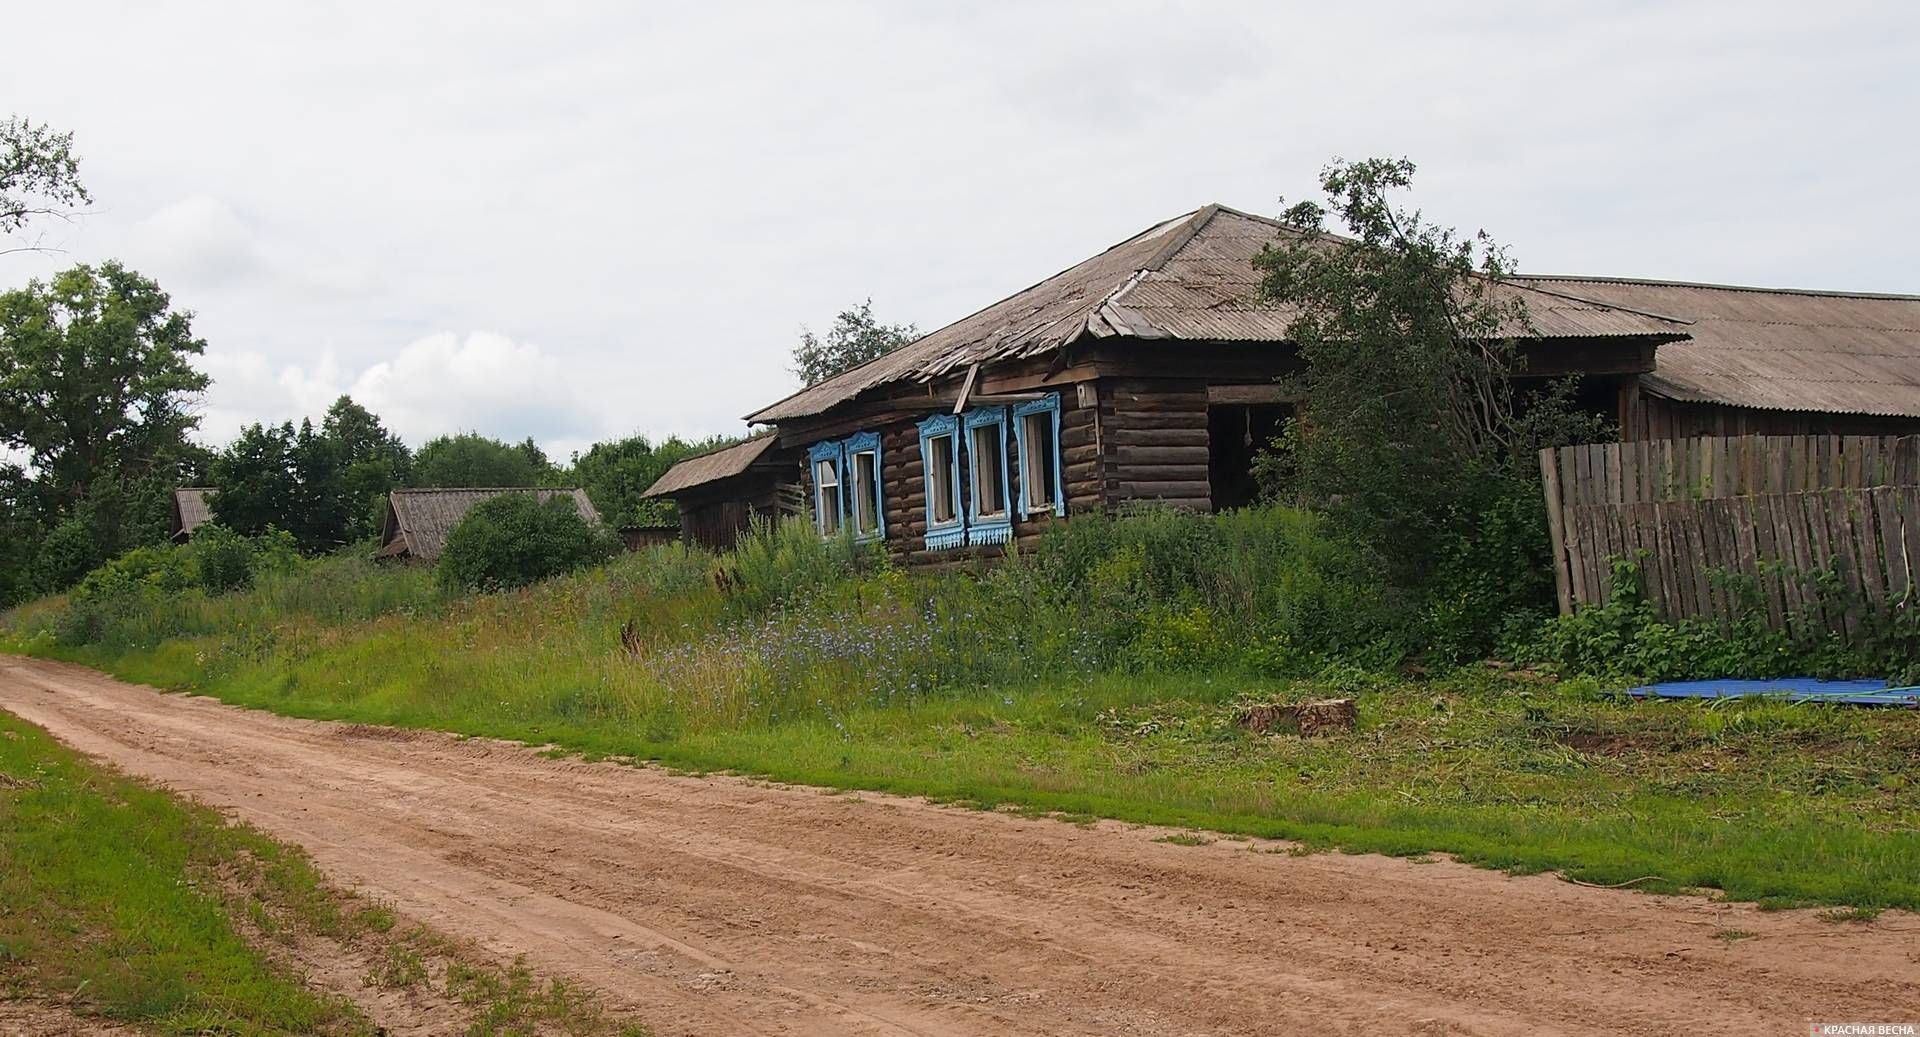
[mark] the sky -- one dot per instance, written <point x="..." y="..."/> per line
<point x="578" y="221"/>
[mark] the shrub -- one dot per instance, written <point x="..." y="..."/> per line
<point x="517" y="539"/>
<point x="1626" y="640"/>
<point x="775" y="564"/>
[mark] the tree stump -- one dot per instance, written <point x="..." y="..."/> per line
<point x="1326" y="716"/>
<point x="1311" y="719"/>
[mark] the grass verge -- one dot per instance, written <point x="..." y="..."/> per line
<point x="121" y="902"/>
<point x="1784" y="805"/>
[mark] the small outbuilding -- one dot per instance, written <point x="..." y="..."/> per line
<point x="418" y="521"/>
<point x="1767" y="361"/>
<point x="719" y="493"/>
<point x="192" y="508"/>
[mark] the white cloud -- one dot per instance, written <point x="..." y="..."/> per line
<point x="198" y="242"/>
<point x="439" y="384"/>
<point x="660" y="195"/>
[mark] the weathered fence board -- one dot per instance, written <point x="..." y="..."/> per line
<point x="1713" y="520"/>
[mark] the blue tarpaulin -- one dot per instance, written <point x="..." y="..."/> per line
<point x="1793" y="689"/>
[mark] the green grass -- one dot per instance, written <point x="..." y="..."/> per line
<point x="1764" y="801"/>
<point x="128" y="904"/>
<point x="120" y="899"/>
<point x="1111" y="694"/>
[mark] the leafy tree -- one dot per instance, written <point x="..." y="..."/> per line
<point x="96" y="374"/>
<point x="855" y="338"/>
<point x="39" y="175"/>
<point x="516" y="539"/>
<point x="617" y="472"/>
<point x="316" y="484"/>
<point x="372" y="461"/>
<point x="470" y="459"/>
<point x="1414" y="440"/>
<point x="96" y="389"/>
<point x="256" y="481"/>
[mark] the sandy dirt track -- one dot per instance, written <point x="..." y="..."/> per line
<point x="723" y="906"/>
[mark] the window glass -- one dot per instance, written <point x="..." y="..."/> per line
<point x="989" y="493"/>
<point x="866" y="492"/>
<point x="1038" y="473"/>
<point x="826" y="500"/>
<point x="940" y="479"/>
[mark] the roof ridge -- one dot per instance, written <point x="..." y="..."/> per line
<point x="1836" y="293"/>
<point x="1517" y="282"/>
<point x="478" y="489"/>
<point x="850" y="372"/>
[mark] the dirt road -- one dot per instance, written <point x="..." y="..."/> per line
<point x="724" y="906"/>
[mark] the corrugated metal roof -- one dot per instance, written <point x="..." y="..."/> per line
<point x="700" y="469"/>
<point x="418" y="521"/>
<point x="1188" y="278"/>
<point x="1775" y="349"/>
<point x="191" y="510"/>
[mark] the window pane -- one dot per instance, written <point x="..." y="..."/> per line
<point x="826" y="496"/>
<point x="988" y="492"/>
<point x="866" y="493"/>
<point x="1037" y="471"/>
<point x="940" y="478"/>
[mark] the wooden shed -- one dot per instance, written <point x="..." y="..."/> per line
<point x="1768" y="361"/>
<point x="719" y="493"/>
<point x="1145" y="373"/>
<point x="192" y="508"/>
<point x="418" y="521"/>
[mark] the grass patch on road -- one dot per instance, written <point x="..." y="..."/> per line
<point x="119" y="899"/>
<point x="122" y="902"/>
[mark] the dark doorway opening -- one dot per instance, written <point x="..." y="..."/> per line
<point x="1236" y="434"/>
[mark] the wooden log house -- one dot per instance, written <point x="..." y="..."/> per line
<point x="1150" y="372"/>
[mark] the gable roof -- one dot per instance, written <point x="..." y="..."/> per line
<point x="418" y="521"/>
<point x="716" y="464"/>
<point x="1774" y="348"/>
<point x="191" y="509"/>
<point x="1191" y="278"/>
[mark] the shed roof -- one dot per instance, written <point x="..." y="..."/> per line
<point x="712" y="466"/>
<point x="1191" y="278"/>
<point x="191" y="509"/>
<point x="418" y="521"/>
<point x="1774" y="348"/>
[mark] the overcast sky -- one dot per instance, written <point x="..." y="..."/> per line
<point x="576" y="221"/>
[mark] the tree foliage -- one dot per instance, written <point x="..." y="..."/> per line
<point x="472" y="460"/>
<point x="1414" y="439"/>
<point x="96" y="390"/>
<point x="615" y="473"/>
<point x="321" y="485"/>
<point x="855" y="338"/>
<point x="516" y="539"/>
<point x="39" y="174"/>
<point x="96" y="374"/>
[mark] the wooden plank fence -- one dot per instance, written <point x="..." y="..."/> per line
<point x="1771" y="509"/>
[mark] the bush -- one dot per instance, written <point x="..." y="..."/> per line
<point x="517" y="539"/>
<point x="776" y="564"/>
<point x="1626" y="640"/>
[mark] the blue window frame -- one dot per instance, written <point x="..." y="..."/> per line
<point x="848" y="493"/>
<point x="989" y="511"/>
<point x="940" y="468"/>
<point x="866" y="510"/>
<point x="1036" y="431"/>
<point x="826" y="463"/>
